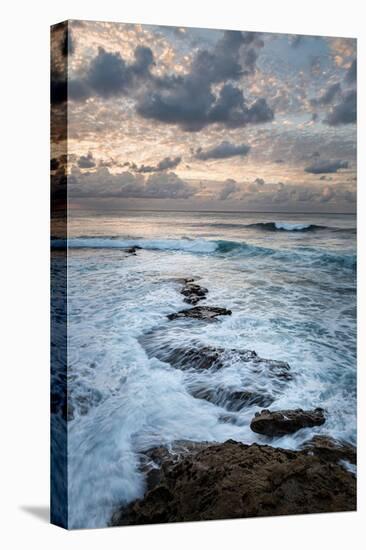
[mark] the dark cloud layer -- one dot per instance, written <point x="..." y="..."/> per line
<point x="222" y="151"/>
<point x="190" y="101"/>
<point x="351" y="75"/>
<point x="103" y="184"/>
<point x="326" y="167"/>
<point x="110" y="75"/>
<point x="166" y="164"/>
<point x="342" y="100"/>
<point x="86" y="161"/>
<point x="344" y="112"/>
<point x="329" y="95"/>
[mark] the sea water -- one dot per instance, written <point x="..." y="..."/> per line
<point x="290" y="282"/>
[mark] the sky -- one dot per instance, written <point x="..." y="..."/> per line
<point x="200" y="119"/>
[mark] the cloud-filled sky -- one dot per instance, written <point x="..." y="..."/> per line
<point x="197" y="119"/>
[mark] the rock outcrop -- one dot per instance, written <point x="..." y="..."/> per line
<point x="202" y="357"/>
<point x="193" y="293"/>
<point x="233" y="480"/>
<point x="204" y="313"/>
<point x="277" y="423"/>
<point x="132" y="250"/>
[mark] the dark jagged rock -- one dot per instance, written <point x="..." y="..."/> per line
<point x="205" y="313"/>
<point x="233" y="480"/>
<point x="200" y="357"/>
<point x="193" y="293"/>
<point x="330" y="449"/>
<point x="233" y="400"/>
<point x="277" y="423"/>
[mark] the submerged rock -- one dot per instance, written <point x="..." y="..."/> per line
<point x="202" y="357"/>
<point x="205" y="313"/>
<point x="233" y="480"/>
<point x="233" y="400"/>
<point x="132" y="250"/>
<point x="330" y="449"/>
<point x="277" y="423"/>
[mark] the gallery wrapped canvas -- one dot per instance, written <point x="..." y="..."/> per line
<point x="203" y="272"/>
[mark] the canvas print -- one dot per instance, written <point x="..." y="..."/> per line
<point x="203" y="284"/>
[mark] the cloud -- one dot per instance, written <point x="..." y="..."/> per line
<point x="327" y="194"/>
<point x="168" y="185"/>
<point x="192" y="105"/>
<point x="326" y="167"/>
<point x="166" y="164"/>
<point x="256" y="186"/>
<point x="103" y="184"/>
<point x="328" y="96"/>
<point x="86" y="161"/>
<point x="230" y="187"/>
<point x="222" y="151"/>
<point x="351" y="75"/>
<point x="109" y="74"/>
<point x="205" y="95"/>
<point x="345" y="112"/>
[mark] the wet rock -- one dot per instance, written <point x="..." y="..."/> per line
<point x="330" y="449"/>
<point x="193" y="293"/>
<point x="233" y="480"/>
<point x="200" y="357"/>
<point x="204" y="313"/>
<point x="185" y="280"/>
<point x="233" y="400"/>
<point x="132" y="250"/>
<point x="153" y="459"/>
<point x="277" y="423"/>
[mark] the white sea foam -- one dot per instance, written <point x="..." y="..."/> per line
<point x="292" y="226"/>
<point x="186" y="245"/>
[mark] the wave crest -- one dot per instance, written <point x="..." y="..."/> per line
<point x="314" y="256"/>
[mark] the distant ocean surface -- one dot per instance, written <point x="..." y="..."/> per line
<point x="290" y="281"/>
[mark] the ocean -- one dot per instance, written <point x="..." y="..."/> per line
<point x="290" y="282"/>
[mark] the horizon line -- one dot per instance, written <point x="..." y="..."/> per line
<point x="222" y="211"/>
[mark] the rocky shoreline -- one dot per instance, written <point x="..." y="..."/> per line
<point x="232" y="480"/>
<point x="192" y="481"/>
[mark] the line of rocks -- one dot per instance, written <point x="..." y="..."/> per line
<point x="193" y="293"/>
<point x="201" y="481"/>
<point x="266" y="422"/>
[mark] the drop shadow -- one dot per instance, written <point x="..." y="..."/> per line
<point x="40" y="512"/>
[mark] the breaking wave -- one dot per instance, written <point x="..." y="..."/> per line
<point x="282" y="226"/>
<point x="314" y="256"/>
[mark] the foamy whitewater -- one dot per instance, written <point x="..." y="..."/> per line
<point x="290" y="282"/>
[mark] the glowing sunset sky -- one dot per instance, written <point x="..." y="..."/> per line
<point x="191" y="119"/>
